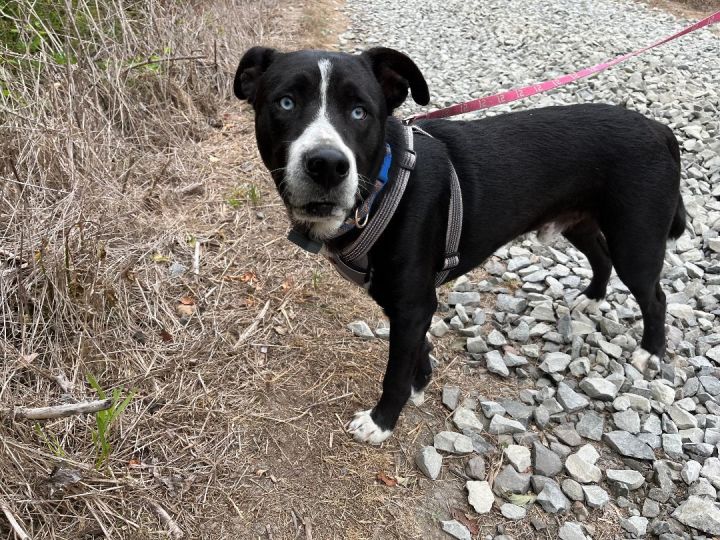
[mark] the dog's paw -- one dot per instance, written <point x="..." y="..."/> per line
<point x="364" y="429"/>
<point x="417" y="398"/>
<point x="583" y="304"/>
<point x="644" y="362"/>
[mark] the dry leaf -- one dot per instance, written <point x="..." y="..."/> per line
<point x="385" y="479"/>
<point x="134" y="462"/>
<point x="187" y="300"/>
<point x="166" y="336"/>
<point x="287" y="284"/>
<point x="159" y="258"/>
<point x="460" y="516"/>
<point x="248" y="277"/>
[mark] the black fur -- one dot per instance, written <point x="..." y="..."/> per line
<point x="610" y="175"/>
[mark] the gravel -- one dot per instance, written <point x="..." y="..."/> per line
<point x="579" y="374"/>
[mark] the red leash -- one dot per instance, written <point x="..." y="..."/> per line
<point x="527" y="91"/>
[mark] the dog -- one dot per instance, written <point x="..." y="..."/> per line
<point x="605" y="177"/>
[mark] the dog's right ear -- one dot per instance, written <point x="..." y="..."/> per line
<point x="253" y="64"/>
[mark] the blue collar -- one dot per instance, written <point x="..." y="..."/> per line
<point x="385" y="168"/>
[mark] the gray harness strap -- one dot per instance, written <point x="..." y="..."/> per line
<point x="352" y="261"/>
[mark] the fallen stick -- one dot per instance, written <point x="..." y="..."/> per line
<point x="57" y="411"/>
<point x="250" y="329"/>
<point x="166" y="520"/>
<point x="13" y="523"/>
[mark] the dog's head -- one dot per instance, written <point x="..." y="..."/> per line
<point x="320" y="124"/>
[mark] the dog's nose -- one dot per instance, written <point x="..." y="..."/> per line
<point x="327" y="166"/>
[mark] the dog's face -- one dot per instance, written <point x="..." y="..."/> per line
<point x="320" y="124"/>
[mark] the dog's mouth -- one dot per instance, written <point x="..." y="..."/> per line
<point x="318" y="211"/>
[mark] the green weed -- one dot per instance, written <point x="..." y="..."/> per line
<point x="105" y="419"/>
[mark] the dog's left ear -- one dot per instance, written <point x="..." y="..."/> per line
<point x="253" y="64"/>
<point x="396" y="72"/>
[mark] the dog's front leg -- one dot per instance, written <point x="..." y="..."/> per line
<point x="408" y="354"/>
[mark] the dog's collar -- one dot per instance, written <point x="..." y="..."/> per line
<point x="358" y="217"/>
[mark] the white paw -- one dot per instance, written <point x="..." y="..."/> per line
<point x="644" y="362"/>
<point x="583" y="304"/>
<point x="417" y="398"/>
<point x="364" y="429"/>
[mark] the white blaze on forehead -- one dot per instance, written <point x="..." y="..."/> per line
<point x="325" y="68"/>
<point x="301" y="188"/>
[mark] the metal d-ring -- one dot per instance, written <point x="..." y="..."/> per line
<point x="358" y="224"/>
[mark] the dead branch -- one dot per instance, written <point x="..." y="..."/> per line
<point x="164" y="517"/>
<point x="56" y="411"/>
<point x="13" y="522"/>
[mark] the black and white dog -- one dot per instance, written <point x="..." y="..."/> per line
<point x="605" y="177"/>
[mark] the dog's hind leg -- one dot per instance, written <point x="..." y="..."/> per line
<point x="637" y="251"/>
<point x="587" y="237"/>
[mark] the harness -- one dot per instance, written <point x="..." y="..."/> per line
<point x="351" y="262"/>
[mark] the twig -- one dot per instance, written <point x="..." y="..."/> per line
<point x="196" y="258"/>
<point x="13" y="522"/>
<point x="164" y="517"/>
<point x="159" y="60"/>
<point x="197" y="188"/>
<point x="57" y="411"/>
<point x="251" y="329"/>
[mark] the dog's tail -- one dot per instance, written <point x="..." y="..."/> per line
<point x="679" y="222"/>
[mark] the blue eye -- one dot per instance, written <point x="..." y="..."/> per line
<point x="359" y="113"/>
<point x="287" y="103"/>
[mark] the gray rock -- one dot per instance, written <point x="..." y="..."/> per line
<point x="455" y="443"/>
<point x="465" y="298"/>
<point x="690" y="472"/>
<point x="465" y="419"/>
<point x="628" y="478"/>
<point x="682" y="418"/>
<point x="573" y="489"/>
<point x="598" y="388"/>
<point x="547" y="462"/>
<point x="480" y="496"/>
<point x="699" y="514"/>
<point x="635" y="525"/>
<point x="628" y="420"/>
<point x="590" y="425"/>
<point x="555" y="362"/>
<point x="662" y="392"/>
<point x="581" y="465"/>
<point x="569" y="399"/>
<point x="628" y="445"/>
<point x="491" y="408"/>
<point x="500" y="425"/>
<point x="510" y="304"/>
<point x="511" y="481"/>
<point x="475" y="468"/>
<point x="361" y="330"/>
<point x="711" y="471"/>
<point x="518" y="456"/>
<point x="571" y="530"/>
<point x="552" y="499"/>
<point x="495" y="364"/>
<point x="595" y="496"/>
<point x="456" y="529"/>
<point x="429" y="462"/>
<point x="450" y="396"/>
<point x="650" y="508"/>
<point x="567" y="434"/>
<point x="513" y="512"/>
<point x="476" y="345"/>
